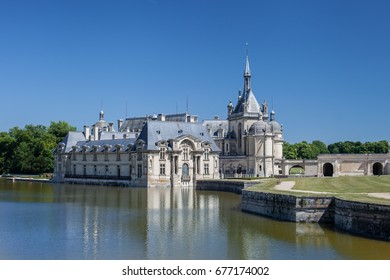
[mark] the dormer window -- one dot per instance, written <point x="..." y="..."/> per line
<point x="162" y="153"/>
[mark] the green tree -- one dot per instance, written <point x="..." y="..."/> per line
<point x="60" y="130"/>
<point x="289" y="151"/>
<point x="7" y="145"/>
<point x="319" y="147"/>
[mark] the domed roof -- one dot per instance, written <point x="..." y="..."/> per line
<point x="101" y="123"/>
<point x="276" y="127"/>
<point x="259" y="127"/>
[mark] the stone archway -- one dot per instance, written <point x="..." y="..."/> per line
<point x="377" y="168"/>
<point x="327" y="170"/>
<point x="296" y="170"/>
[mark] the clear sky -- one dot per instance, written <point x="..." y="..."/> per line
<point x="323" y="66"/>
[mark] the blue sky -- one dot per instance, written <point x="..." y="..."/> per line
<point x="323" y="66"/>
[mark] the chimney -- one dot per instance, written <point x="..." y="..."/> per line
<point x="111" y="127"/>
<point x="120" y="123"/>
<point x="95" y="133"/>
<point x="161" y="117"/>
<point x="87" y="132"/>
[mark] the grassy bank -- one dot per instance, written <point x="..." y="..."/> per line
<point x="375" y="189"/>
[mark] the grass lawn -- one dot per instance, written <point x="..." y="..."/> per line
<point x="356" y="188"/>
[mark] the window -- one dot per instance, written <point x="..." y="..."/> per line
<point x="95" y="154"/>
<point x="162" y="169"/>
<point x="162" y="153"/>
<point x="206" y="169"/>
<point x="139" y="155"/>
<point x="118" y="154"/>
<point x="185" y="153"/>
<point x="85" y="170"/>
<point x="74" y="169"/>
<point x="105" y="154"/>
<point x="95" y="170"/>
<point x="206" y="154"/>
<point x="139" y="171"/>
<point x="85" y="154"/>
<point x="74" y="154"/>
<point x="118" y="168"/>
<point x="106" y="170"/>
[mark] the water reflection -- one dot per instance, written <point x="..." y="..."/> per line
<point x="43" y="221"/>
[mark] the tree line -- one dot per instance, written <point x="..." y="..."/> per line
<point x="30" y="150"/>
<point x="305" y="150"/>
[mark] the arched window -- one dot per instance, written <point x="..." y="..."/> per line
<point x="186" y="170"/>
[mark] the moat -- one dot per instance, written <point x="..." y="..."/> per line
<point x="53" y="221"/>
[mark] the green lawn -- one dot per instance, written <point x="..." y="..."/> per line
<point x="353" y="188"/>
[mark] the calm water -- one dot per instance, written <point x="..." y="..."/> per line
<point x="44" y="221"/>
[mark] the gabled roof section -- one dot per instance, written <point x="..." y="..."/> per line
<point x="155" y="131"/>
<point x="71" y="140"/>
<point x="247" y="104"/>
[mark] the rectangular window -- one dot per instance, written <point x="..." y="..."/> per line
<point x="85" y="170"/>
<point x="162" y="153"/>
<point x="206" y="169"/>
<point x="106" y="170"/>
<point x="118" y="155"/>
<point x="139" y="171"/>
<point x="206" y="154"/>
<point x="74" y="169"/>
<point x="118" y="168"/>
<point x="94" y="155"/>
<point x="74" y="155"/>
<point x="84" y="155"/>
<point x="185" y="153"/>
<point x="162" y="169"/>
<point x="95" y="170"/>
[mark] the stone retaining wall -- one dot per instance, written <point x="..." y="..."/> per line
<point x="367" y="219"/>
<point x="224" y="185"/>
<point x="289" y="207"/>
<point x="371" y="220"/>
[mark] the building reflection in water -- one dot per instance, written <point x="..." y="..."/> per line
<point x="92" y="222"/>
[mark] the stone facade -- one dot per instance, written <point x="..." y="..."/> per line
<point x="251" y="140"/>
<point x="159" y="153"/>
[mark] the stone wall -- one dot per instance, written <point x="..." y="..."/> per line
<point x="367" y="219"/>
<point x="224" y="185"/>
<point x="372" y="220"/>
<point x="289" y="207"/>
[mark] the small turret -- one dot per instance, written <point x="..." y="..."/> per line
<point x="230" y="108"/>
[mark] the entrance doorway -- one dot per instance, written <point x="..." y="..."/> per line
<point x="377" y="168"/>
<point x="328" y="170"/>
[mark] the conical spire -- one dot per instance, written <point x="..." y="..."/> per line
<point x="247" y="74"/>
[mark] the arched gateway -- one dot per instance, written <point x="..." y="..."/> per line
<point x="377" y="168"/>
<point x="328" y="169"/>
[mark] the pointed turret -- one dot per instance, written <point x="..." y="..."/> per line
<point x="247" y="74"/>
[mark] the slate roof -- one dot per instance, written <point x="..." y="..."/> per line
<point x="155" y="131"/>
<point x="215" y="125"/>
<point x="112" y="143"/>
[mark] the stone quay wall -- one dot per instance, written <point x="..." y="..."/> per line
<point x="371" y="220"/>
<point x="366" y="219"/>
<point x="224" y="185"/>
<point x="289" y="207"/>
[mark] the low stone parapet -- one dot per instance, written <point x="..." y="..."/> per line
<point x="371" y="220"/>
<point x="289" y="207"/>
<point x="233" y="186"/>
